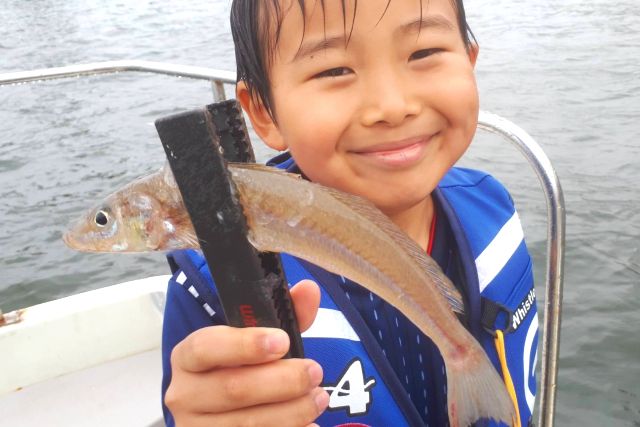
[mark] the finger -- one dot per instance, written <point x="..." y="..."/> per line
<point x="294" y="413"/>
<point x="306" y="300"/>
<point x="234" y="388"/>
<point x="224" y="346"/>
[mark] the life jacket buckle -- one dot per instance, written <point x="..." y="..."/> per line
<point x="490" y="310"/>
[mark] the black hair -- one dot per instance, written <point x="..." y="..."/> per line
<point x="255" y="27"/>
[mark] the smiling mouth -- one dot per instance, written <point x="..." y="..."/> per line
<point x="405" y="152"/>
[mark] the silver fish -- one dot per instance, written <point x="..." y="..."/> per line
<point x="341" y="233"/>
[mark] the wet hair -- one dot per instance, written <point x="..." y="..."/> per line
<point x="255" y="27"/>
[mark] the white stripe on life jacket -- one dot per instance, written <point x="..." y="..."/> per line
<point x="496" y="255"/>
<point x="331" y="324"/>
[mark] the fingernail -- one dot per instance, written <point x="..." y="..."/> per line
<point x="276" y="341"/>
<point x="315" y="373"/>
<point x="321" y="399"/>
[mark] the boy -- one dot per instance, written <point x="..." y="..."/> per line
<point x="375" y="98"/>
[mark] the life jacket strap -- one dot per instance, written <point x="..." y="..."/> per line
<point x="506" y="375"/>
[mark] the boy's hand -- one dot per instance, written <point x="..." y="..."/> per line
<point x="224" y="376"/>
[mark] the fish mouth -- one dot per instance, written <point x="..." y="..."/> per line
<point x="72" y="242"/>
<point x="78" y="244"/>
<point x="74" y="238"/>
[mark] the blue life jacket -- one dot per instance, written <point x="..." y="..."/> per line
<point x="495" y="275"/>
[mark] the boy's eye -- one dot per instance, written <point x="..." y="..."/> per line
<point x="334" y="72"/>
<point x="423" y="53"/>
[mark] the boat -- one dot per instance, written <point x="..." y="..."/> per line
<point x="88" y="359"/>
<point x="83" y="360"/>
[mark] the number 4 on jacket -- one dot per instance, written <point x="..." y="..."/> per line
<point x="352" y="390"/>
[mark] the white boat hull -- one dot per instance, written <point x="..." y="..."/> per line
<point x="89" y="359"/>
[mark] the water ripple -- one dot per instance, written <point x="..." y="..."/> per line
<point x="566" y="71"/>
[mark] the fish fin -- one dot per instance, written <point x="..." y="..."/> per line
<point x="373" y="214"/>
<point x="190" y="239"/>
<point x="475" y="390"/>
<point x="261" y="168"/>
<point x="167" y="175"/>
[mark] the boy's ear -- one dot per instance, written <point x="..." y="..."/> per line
<point x="473" y="53"/>
<point x="260" y="119"/>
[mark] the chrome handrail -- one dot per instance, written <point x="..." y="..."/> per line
<point x="216" y="77"/>
<point x="550" y="184"/>
<point x="527" y="146"/>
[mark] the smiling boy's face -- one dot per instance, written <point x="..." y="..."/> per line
<point x="383" y="116"/>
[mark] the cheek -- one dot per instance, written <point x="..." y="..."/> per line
<point x="463" y="98"/>
<point x="453" y="88"/>
<point x="311" y="158"/>
<point x="460" y="106"/>
<point x="313" y="110"/>
<point x="460" y="96"/>
<point x="313" y="136"/>
<point x="472" y="104"/>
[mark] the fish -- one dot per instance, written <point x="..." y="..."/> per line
<point x="341" y="233"/>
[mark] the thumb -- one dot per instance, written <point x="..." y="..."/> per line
<point x="306" y="300"/>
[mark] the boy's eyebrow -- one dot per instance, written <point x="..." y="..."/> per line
<point x="430" y="21"/>
<point x="413" y="27"/>
<point x="310" y="47"/>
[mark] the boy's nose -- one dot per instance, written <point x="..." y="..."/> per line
<point x="389" y="102"/>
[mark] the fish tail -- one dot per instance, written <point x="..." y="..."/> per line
<point x="475" y="390"/>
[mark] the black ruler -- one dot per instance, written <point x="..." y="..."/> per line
<point x="251" y="285"/>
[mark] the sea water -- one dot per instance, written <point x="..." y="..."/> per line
<point x="565" y="71"/>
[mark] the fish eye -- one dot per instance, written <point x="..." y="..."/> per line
<point x="102" y="218"/>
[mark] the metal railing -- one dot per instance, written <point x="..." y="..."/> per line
<point x="217" y="77"/>
<point x="550" y="184"/>
<point x="527" y="146"/>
